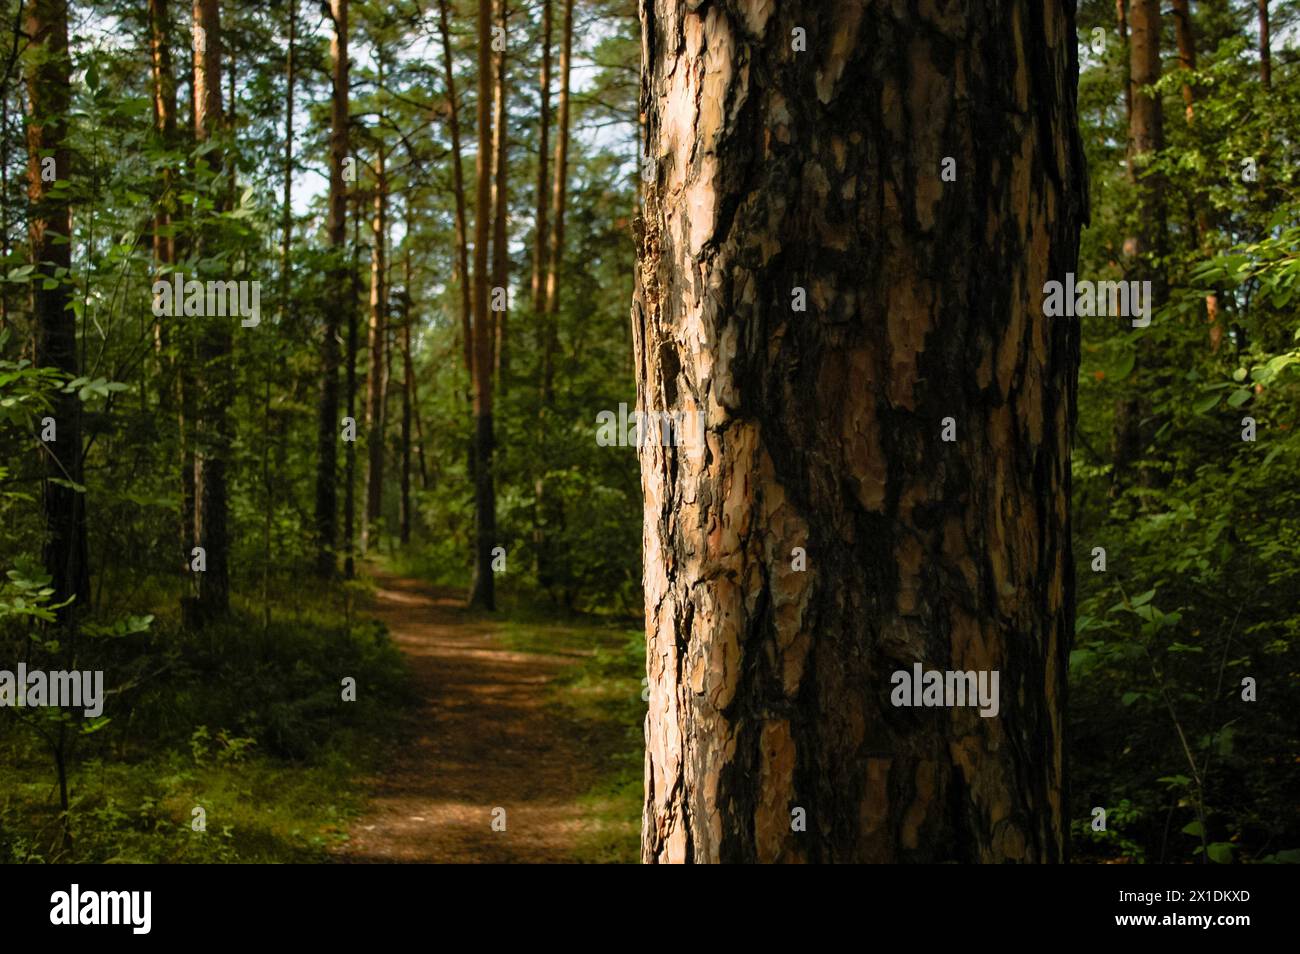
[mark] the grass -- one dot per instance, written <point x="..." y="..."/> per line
<point x="243" y="721"/>
<point x="599" y="698"/>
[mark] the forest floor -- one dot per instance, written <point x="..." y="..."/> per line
<point x="493" y="729"/>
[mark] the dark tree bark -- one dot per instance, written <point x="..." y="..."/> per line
<point x="215" y="385"/>
<point x="329" y="426"/>
<point x="350" y="377"/>
<point x="1265" y="48"/>
<point x="775" y="170"/>
<point x="286" y="215"/>
<point x="50" y="232"/>
<point x="482" y="593"/>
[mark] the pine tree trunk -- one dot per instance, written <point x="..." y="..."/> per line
<point x="328" y="428"/>
<point x="541" y="232"/>
<point x="375" y="377"/>
<point x="773" y="174"/>
<point x="350" y="447"/>
<point x="500" y="205"/>
<point x="215" y="383"/>
<point x="50" y="232"/>
<point x="408" y="392"/>
<point x="286" y="215"/>
<point x="1146" y="138"/>
<point x="547" y="511"/>
<point x="1265" y="48"/>
<point x="458" y="180"/>
<point x="482" y="592"/>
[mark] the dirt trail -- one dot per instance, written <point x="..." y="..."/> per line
<point x="480" y="739"/>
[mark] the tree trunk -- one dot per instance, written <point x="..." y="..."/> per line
<point x="1121" y="16"/>
<point x="1146" y="138"/>
<point x="542" y="227"/>
<point x="328" y="428"/>
<point x="286" y="221"/>
<point x="1186" y="50"/>
<point x="1265" y="51"/>
<point x="50" y="231"/>
<point x="350" y="447"/>
<point x="547" y="512"/>
<point x="778" y="174"/>
<point x="408" y="391"/>
<point x="458" y="178"/>
<point x="482" y="592"/>
<point x="375" y="377"/>
<point x="165" y="253"/>
<point x="500" y="204"/>
<point x="216" y="383"/>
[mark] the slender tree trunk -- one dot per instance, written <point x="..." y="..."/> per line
<point x="375" y="377"/>
<point x="328" y="429"/>
<point x="408" y="390"/>
<point x="458" y="179"/>
<point x="286" y="220"/>
<point x="1146" y="138"/>
<point x="1265" y="48"/>
<point x="547" y="514"/>
<point x="1186" y="51"/>
<point x="216" y="387"/>
<point x="500" y="206"/>
<point x="772" y="732"/>
<point x="1121" y="17"/>
<point x="50" y="233"/>
<point x="165" y="255"/>
<point x="541" y="232"/>
<point x="350" y="447"/>
<point x="482" y="592"/>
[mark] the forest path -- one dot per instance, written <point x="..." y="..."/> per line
<point x="480" y="738"/>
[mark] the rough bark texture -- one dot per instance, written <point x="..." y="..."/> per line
<point x="376" y="377"/>
<point x="329" y="426"/>
<point x="50" y="231"/>
<point x="1121" y="17"/>
<point x="408" y="393"/>
<point x="482" y="591"/>
<point x="216" y="375"/>
<point x="770" y="170"/>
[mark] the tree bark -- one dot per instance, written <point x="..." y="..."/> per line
<point x="408" y="391"/>
<point x="50" y="232"/>
<point x="216" y="387"/>
<point x="541" y="232"/>
<point x="1121" y="16"/>
<point x="1184" y="37"/>
<point x="1146" y="138"/>
<point x="350" y="377"/>
<point x="500" y="204"/>
<point x="458" y="180"/>
<point x="328" y="431"/>
<point x="286" y="219"/>
<point x="771" y="171"/>
<point x="375" y="377"/>
<point x="482" y="592"/>
<point x="1265" y="48"/>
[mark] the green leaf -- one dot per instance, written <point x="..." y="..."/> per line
<point x="1239" y="397"/>
<point x="1220" y="852"/>
<point x="1130" y="697"/>
<point x="1194" y="829"/>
